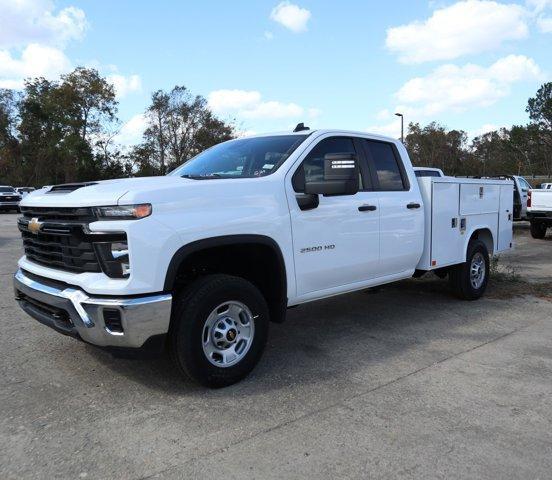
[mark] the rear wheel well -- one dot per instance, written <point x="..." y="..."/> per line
<point x="259" y="263"/>
<point x="484" y="235"/>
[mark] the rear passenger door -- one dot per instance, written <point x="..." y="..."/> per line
<point x="401" y="212"/>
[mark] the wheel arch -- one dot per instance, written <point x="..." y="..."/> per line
<point x="258" y="251"/>
<point x="485" y="235"/>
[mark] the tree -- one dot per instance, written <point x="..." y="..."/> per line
<point x="58" y="121"/>
<point x="9" y="143"/>
<point x="179" y="127"/>
<point x="539" y="107"/>
<point x="434" y="146"/>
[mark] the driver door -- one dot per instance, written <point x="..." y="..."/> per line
<point x="337" y="242"/>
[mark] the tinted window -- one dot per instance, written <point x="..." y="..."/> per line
<point x="524" y="184"/>
<point x="7" y="190"/>
<point x="312" y="167"/>
<point x="247" y="157"/>
<point x="386" y="166"/>
<point x="427" y="173"/>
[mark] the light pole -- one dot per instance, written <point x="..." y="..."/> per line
<point x="402" y="126"/>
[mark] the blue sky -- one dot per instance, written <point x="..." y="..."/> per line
<point x="351" y="64"/>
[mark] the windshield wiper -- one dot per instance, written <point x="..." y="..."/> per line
<point x="202" y="177"/>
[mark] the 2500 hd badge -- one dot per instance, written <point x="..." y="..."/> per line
<point x="319" y="248"/>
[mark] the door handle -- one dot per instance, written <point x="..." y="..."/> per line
<point x="413" y="205"/>
<point x="367" y="208"/>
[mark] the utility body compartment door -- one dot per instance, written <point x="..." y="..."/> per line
<point x="446" y="237"/>
<point x="477" y="199"/>
<point x="505" y="218"/>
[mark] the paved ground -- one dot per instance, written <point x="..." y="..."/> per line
<point x="404" y="383"/>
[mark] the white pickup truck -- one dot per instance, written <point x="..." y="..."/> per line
<point x="539" y="211"/>
<point x="201" y="260"/>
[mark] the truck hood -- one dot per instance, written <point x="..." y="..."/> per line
<point x="105" y="192"/>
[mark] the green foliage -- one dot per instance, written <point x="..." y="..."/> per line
<point x="433" y="146"/>
<point x="64" y="131"/>
<point x="539" y="107"/>
<point x="179" y="127"/>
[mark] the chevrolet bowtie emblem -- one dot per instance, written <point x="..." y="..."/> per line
<point x="34" y="226"/>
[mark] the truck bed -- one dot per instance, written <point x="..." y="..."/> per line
<point x="541" y="200"/>
<point x="457" y="207"/>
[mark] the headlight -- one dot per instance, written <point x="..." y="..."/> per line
<point x="124" y="212"/>
<point x="114" y="258"/>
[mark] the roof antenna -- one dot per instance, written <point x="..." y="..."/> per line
<point x="300" y="127"/>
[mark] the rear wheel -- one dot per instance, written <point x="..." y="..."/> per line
<point x="538" y="229"/>
<point x="219" y="329"/>
<point x="469" y="280"/>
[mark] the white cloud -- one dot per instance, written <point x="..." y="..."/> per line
<point x="131" y="132"/>
<point x="273" y="109"/>
<point x="389" y="129"/>
<point x="538" y="9"/>
<point x="456" y="89"/>
<point x="544" y="24"/>
<point x="222" y="101"/>
<point x="124" y="85"/>
<point x="33" y="36"/>
<point x="249" y="104"/>
<point x="291" y="16"/>
<point x="35" y="61"/>
<point x="35" y="21"/>
<point x="539" y="5"/>
<point x="314" y="112"/>
<point x="463" y="28"/>
<point x="486" y="128"/>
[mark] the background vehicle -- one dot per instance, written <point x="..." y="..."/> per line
<point x="546" y="186"/>
<point x="428" y="172"/>
<point x="202" y="259"/>
<point x="521" y="192"/>
<point x="23" y="191"/>
<point x="539" y="211"/>
<point x="9" y="198"/>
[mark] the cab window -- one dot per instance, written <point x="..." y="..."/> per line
<point x="524" y="184"/>
<point x="389" y="170"/>
<point x="312" y="168"/>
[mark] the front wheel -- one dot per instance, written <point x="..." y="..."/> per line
<point x="469" y="280"/>
<point x="219" y="329"/>
<point x="538" y="229"/>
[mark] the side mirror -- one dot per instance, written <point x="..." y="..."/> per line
<point x="340" y="176"/>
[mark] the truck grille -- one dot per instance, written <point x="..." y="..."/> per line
<point x="61" y="242"/>
<point x="9" y="199"/>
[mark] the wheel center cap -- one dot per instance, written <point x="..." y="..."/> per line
<point x="231" y="335"/>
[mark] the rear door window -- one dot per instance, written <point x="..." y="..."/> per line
<point x="387" y="166"/>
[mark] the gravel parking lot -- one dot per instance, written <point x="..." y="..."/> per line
<point x="404" y="382"/>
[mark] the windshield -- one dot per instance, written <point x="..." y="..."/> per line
<point x="7" y="190"/>
<point x="243" y="158"/>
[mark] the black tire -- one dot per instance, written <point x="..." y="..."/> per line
<point x="192" y="307"/>
<point x="538" y="229"/>
<point x="460" y="275"/>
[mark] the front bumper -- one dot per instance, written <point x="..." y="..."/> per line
<point x="70" y="311"/>
<point x="9" y="204"/>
